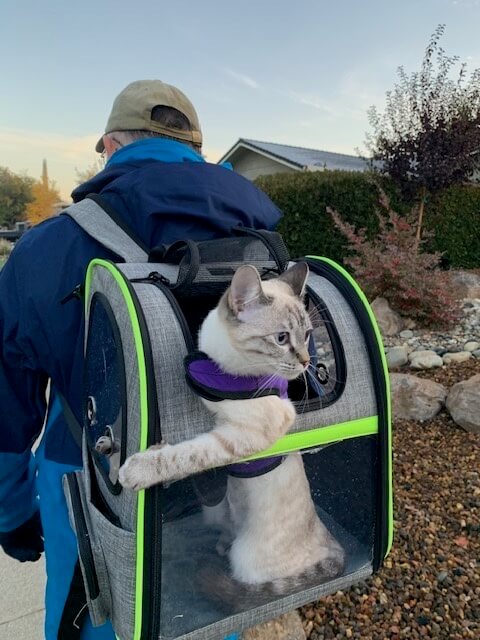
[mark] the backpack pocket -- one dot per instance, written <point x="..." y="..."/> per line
<point x="90" y="554"/>
<point x="107" y="557"/>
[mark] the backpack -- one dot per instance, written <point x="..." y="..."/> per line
<point x="139" y="552"/>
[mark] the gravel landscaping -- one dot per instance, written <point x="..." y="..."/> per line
<point x="429" y="586"/>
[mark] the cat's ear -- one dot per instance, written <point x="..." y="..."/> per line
<point x="296" y="277"/>
<point x="245" y="289"/>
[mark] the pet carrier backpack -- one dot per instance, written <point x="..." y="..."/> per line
<point x="140" y="552"/>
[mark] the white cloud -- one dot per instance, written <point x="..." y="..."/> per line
<point x="243" y="79"/>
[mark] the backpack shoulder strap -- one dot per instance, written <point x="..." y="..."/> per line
<point x="104" y="225"/>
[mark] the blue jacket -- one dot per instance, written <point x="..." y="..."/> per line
<point x="41" y="338"/>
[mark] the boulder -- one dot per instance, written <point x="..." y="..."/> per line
<point x="465" y="284"/>
<point x="389" y="322"/>
<point x="415" y="398"/>
<point x="463" y="404"/>
<point x="472" y="346"/>
<point x="460" y="356"/>
<point x="286" y="627"/>
<point x="425" y="359"/>
<point x="396" y="357"/>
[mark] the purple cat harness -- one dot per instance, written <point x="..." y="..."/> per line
<point x="209" y="381"/>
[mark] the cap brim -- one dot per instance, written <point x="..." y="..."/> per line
<point x="100" y="147"/>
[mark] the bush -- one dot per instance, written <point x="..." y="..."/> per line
<point x="391" y="266"/>
<point x="307" y="229"/>
<point x="5" y="248"/>
<point x="455" y="217"/>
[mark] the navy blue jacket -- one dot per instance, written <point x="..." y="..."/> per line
<point x="42" y="338"/>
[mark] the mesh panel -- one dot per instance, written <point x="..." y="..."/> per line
<point x="218" y="261"/>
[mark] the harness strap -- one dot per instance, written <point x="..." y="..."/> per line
<point x="102" y="223"/>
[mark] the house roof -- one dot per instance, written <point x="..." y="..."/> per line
<point x="299" y="157"/>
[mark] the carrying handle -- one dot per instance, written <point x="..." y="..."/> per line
<point x="273" y="242"/>
<point x="183" y="250"/>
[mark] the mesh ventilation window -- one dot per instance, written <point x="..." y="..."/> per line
<point x="324" y="381"/>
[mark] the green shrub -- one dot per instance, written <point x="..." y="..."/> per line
<point x="5" y="248"/>
<point x="307" y="228"/>
<point x="454" y="216"/>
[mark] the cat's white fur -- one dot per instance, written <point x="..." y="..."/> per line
<point x="271" y="529"/>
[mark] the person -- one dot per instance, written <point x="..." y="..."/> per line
<point x="160" y="186"/>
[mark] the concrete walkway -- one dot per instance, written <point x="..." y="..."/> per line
<point x="22" y="587"/>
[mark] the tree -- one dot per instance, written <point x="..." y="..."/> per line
<point x="428" y="138"/>
<point x="95" y="167"/>
<point x="15" y="194"/>
<point x="45" y="197"/>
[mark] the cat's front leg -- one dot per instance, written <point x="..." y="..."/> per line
<point x="146" y="468"/>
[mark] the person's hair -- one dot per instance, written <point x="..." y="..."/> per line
<point x="167" y="117"/>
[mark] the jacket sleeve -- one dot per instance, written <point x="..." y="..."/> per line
<point x="22" y="397"/>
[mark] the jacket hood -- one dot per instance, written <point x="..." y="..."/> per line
<point x="165" y="202"/>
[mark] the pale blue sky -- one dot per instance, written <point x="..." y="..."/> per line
<point x="301" y="73"/>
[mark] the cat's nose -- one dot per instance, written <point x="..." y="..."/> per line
<point x="304" y="359"/>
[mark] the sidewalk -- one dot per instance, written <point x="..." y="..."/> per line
<point x="21" y="599"/>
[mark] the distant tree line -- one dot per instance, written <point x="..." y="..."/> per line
<point x="24" y="198"/>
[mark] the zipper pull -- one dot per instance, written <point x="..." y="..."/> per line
<point x="76" y="293"/>
<point x="158" y="277"/>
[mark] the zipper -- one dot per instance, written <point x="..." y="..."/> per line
<point x="376" y="365"/>
<point x="83" y="537"/>
<point x="164" y="284"/>
<point x="76" y="293"/>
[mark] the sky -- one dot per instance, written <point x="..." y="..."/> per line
<point x="301" y="73"/>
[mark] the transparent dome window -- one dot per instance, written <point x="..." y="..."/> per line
<point x="341" y="478"/>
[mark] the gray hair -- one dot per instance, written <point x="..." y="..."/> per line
<point x="167" y="117"/>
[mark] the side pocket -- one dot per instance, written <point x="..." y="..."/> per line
<point x="92" y="562"/>
<point x="119" y="552"/>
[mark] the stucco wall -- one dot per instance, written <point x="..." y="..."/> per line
<point x="251" y="165"/>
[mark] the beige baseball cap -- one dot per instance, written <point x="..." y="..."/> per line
<point x="132" y="110"/>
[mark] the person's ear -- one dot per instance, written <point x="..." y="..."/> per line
<point x="110" y="146"/>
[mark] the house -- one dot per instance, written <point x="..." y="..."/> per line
<point x="252" y="158"/>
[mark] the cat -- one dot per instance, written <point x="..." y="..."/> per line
<point x="272" y="534"/>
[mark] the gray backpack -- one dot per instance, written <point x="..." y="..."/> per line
<point x="140" y="552"/>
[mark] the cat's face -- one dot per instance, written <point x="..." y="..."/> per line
<point x="267" y="321"/>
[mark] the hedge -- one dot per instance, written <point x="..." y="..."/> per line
<point x="307" y="228"/>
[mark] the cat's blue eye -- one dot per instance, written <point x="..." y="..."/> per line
<point x="282" y="338"/>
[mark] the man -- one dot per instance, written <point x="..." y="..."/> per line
<point x="161" y="187"/>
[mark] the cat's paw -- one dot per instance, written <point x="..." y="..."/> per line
<point x="142" y="470"/>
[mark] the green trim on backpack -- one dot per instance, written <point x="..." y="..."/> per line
<point x="378" y="336"/>
<point x="120" y="280"/>
<point x="319" y="436"/>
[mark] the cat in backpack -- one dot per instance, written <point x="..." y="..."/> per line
<point x="272" y="535"/>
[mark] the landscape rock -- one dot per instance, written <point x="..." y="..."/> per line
<point x="465" y="284"/>
<point x="463" y="404"/>
<point x="286" y="627"/>
<point x="406" y="333"/>
<point x="416" y="398"/>
<point x="476" y="353"/>
<point x="425" y="359"/>
<point x="472" y="346"/>
<point x="397" y="357"/>
<point x="460" y="356"/>
<point x="389" y="321"/>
